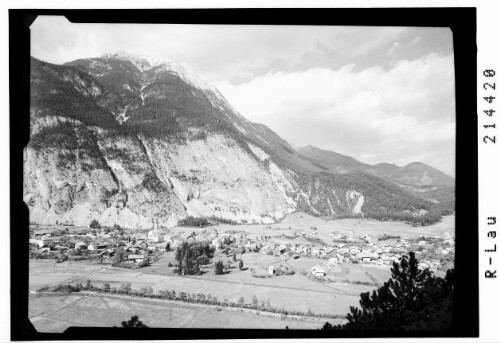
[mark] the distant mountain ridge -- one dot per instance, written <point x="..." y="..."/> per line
<point x="126" y="139"/>
<point x="415" y="173"/>
<point x="423" y="180"/>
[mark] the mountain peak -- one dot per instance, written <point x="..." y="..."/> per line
<point x="141" y="62"/>
<point x="145" y="63"/>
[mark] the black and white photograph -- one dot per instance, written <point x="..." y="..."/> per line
<point x="255" y="177"/>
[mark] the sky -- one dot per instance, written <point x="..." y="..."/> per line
<point x="378" y="94"/>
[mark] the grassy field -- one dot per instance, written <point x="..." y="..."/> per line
<point x="303" y="222"/>
<point x="55" y="313"/>
<point x="294" y="292"/>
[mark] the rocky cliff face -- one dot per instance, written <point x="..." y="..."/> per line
<point x="124" y="139"/>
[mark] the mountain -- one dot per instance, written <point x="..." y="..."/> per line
<point x="127" y="139"/>
<point x="417" y="178"/>
<point x="332" y="161"/>
<point x="420" y="174"/>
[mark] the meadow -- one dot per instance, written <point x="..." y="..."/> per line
<point x="57" y="312"/>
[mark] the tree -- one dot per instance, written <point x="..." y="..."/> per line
<point x="126" y="287"/>
<point x="219" y="268"/>
<point x="241" y="300"/>
<point x="268" y="303"/>
<point x="255" y="301"/>
<point x="134" y="323"/>
<point x="327" y="326"/>
<point x="178" y="255"/>
<point x="94" y="224"/>
<point x="234" y="256"/>
<point x="241" y="265"/>
<point x="118" y="257"/>
<point x="203" y="259"/>
<point x="412" y="299"/>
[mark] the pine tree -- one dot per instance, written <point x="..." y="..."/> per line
<point x="219" y="268"/>
<point x="412" y="299"/>
<point x="241" y="265"/>
<point x="134" y="323"/>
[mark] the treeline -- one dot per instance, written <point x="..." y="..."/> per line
<point x="193" y="221"/>
<point x="386" y="237"/>
<point x="200" y="298"/>
<point x="191" y="255"/>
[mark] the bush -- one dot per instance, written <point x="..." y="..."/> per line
<point x="385" y="237"/>
<point x="94" y="224"/>
<point x="66" y="288"/>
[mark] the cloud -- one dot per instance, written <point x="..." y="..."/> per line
<point x="330" y="86"/>
<point x="399" y="115"/>
<point x="216" y="52"/>
<point x="393" y="48"/>
<point x="415" y="40"/>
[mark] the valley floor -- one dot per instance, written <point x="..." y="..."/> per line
<point x="54" y="313"/>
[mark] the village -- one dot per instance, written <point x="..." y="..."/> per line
<point x="140" y="248"/>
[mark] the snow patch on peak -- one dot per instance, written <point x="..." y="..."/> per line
<point x="144" y="63"/>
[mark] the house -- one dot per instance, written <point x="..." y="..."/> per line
<point x="40" y="242"/>
<point x="90" y="247"/>
<point x="387" y="259"/>
<point x="340" y="257"/>
<point x="387" y="248"/>
<point x="162" y="246"/>
<point x="365" y="257"/>
<point x="167" y="239"/>
<point x="423" y="265"/>
<point x="318" y="271"/>
<point x="333" y="261"/>
<point x="354" y="251"/>
<point x="80" y="245"/>
<point x="271" y="270"/>
<point x="136" y="258"/>
<point x="155" y="236"/>
<point x="422" y="243"/>
<point x="43" y="233"/>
